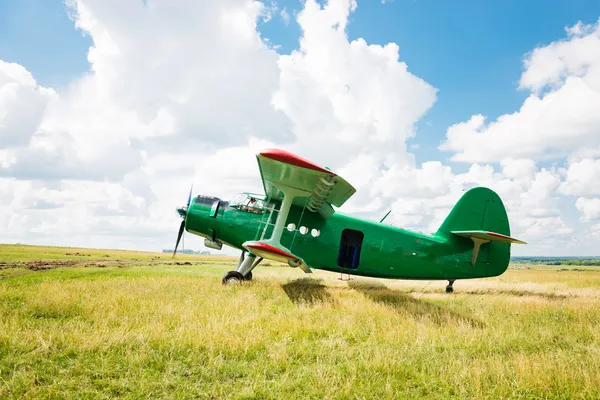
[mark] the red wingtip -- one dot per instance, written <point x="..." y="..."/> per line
<point x="292" y="159"/>
<point x="271" y="249"/>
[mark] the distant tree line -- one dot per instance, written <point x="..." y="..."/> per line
<point x="188" y="251"/>
<point x="582" y="261"/>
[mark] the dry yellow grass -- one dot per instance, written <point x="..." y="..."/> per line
<point x="149" y="329"/>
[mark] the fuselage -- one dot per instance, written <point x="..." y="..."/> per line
<point x="343" y="243"/>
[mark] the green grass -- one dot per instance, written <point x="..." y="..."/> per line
<point x="142" y="325"/>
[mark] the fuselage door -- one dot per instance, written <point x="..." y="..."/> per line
<point x="350" y="248"/>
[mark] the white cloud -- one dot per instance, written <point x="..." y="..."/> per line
<point x="583" y="178"/>
<point x="170" y="77"/>
<point x="519" y="169"/>
<point x="553" y="123"/>
<point x="168" y="82"/>
<point x="429" y="181"/>
<point x="343" y="100"/>
<point x="22" y="105"/>
<point x="578" y="56"/>
<point x="589" y="208"/>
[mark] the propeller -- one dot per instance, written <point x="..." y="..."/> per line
<point x="183" y="213"/>
<point x="181" y="229"/>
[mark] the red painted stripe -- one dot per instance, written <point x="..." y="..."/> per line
<point x="499" y="235"/>
<point x="292" y="159"/>
<point x="270" y="249"/>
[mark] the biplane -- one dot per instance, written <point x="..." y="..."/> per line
<point x="294" y="222"/>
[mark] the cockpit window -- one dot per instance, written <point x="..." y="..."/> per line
<point x="205" y="200"/>
<point x="249" y="202"/>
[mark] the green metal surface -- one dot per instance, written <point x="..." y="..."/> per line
<point x="385" y="251"/>
<point x="277" y="172"/>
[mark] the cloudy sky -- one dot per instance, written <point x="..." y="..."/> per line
<point x="111" y="109"/>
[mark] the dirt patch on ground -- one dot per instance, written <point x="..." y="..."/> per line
<point x="41" y="265"/>
<point x="177" y="263"/>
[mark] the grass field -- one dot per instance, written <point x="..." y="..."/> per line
<point x="80" y="323"/>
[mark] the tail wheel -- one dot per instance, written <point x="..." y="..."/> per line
<point x="450" y="288"/>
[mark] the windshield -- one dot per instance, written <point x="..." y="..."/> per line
<point x="249" y="202"/>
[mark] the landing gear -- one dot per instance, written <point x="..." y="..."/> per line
<point x="244" y="269"/>
<point x="449" y="288"/>
<point x="232" y="277"/>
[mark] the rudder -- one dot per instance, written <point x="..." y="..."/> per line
<point x="479" y="222"/>
<point x="479" y="208"/>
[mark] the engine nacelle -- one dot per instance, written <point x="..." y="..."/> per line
<point x="212" y="244"/>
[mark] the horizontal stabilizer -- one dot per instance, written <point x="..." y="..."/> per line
<point x="270" y="252"/>
<point x="481" y="237"/>
<point x="488" y="236"/>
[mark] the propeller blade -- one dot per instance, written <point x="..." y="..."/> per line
<point x="183" y="213"/>
<point x="181" y="229"/>
<point x="190" y="196"/>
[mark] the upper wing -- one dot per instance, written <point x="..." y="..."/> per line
<point x="325" y="187"/>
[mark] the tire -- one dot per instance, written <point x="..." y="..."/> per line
<point x="232" y="277"/>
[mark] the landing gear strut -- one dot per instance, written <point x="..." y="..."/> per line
<point x="449" y="288"/>
<point x="244" y="269"/>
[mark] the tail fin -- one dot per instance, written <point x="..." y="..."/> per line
<point x="478" y="209"/>
<point x="480" y="216"/>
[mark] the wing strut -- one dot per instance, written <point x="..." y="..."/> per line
<point x="477" y="242"/>
<point x="289" y="194"/>
<point x="272" y="247"/>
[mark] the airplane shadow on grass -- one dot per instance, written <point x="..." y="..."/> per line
<point x="310" y="291"/>
<point x="307" y="291"/>
<point x="406" y="304"/>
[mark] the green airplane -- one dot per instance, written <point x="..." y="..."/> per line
<point x="294" y="222"/>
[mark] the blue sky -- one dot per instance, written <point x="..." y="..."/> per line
<point x="39" y="35"/>
<point x="470" y="50"/>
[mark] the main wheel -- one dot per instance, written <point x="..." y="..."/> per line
<point x="248" y="276"/>
<point x="449" y="289"/>
<point x="232" y="277"/>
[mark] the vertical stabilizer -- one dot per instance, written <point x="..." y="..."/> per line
<point x="478" y="223"/>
